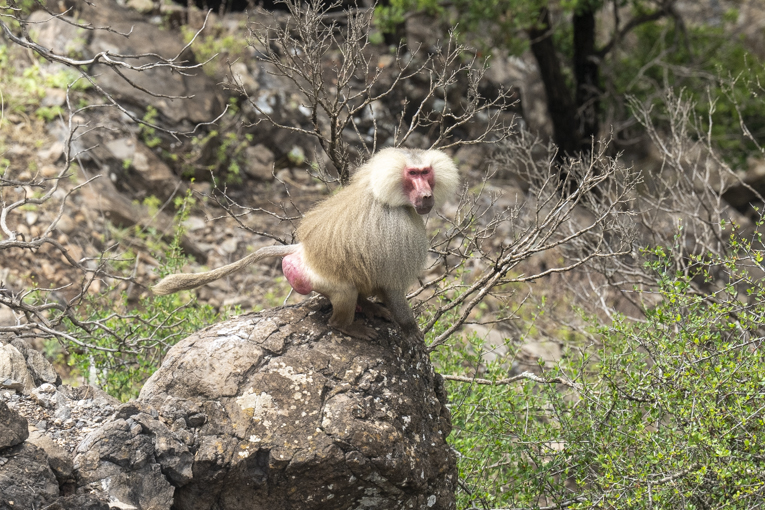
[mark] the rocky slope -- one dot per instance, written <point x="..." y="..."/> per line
<point x="271" y="410"/>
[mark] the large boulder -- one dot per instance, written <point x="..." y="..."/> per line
<point x="276" y="410"/>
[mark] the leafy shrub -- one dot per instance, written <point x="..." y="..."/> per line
<point x="663" y="412"/>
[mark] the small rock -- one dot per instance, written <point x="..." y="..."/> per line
<point x="229" y="245"/>
<point x="44" y="395"/>
<point x="385" y="60"/>
<point x="95" y="288"/>
<point x="11" y="384"/>
<point x="145" y="170"/>
<point x="145" y="6"/>
<point x="7" y="317"/>
<point x="21" y="228"/>
<point x="13" y="427"/>
<point x="14" y="366"/>
<point x="55" y="151"/>
<point x="53" y="97"/>
<point x="63" y="411"/>
<point x="242" y="77"/>
<point x="59" y="459"/>
<point x="48" y="170"/>
<point x="17" y="150"/>
<point x="470" y="156"/>
<point x="40" y="368"/>
<point x="260" y="162"/>
<point x="141" y="162"/>
<point x="47" y="389"/>
<point x="49" y="272"/>
<point x="284" y="174"/>
<point x="122" y="148"/>
<point x="206" y="247"/>
<point x="194" y="223"/>
<point x="66" y="225"/>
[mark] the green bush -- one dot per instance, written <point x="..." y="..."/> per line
<point x="663" y="412"/>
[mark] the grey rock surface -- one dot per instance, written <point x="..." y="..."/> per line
<point x="13" y="427"/>
<point x="59" y="35"/>
<point x="140" y="171"/>
<point x="181" y="98"/>
<point x="59" y="460"/>
<point x="13" y="367"/>
<point x="260" y="162"/>
<point x="39" y="368"/>
<point x="191" y="98"/>
<point x="26" y="480"/>
<point x="77" y="502"/>
<point x="132" y="459"/>
<point x="279" y="411"/>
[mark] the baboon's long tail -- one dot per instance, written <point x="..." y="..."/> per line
<point x="184" y="281"/>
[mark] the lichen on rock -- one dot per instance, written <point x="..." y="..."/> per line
<point x="296" y="415"/>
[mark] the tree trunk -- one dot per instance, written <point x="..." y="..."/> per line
<point x="559" y="101"/>
<point x="587" y="74"/>
<point x="575" y="119"/>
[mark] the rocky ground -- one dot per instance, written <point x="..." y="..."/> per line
<point x="272" y="410"/>
<point x="41" y="424"/>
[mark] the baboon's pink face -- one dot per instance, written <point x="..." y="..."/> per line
<point x="418" y="187"/>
